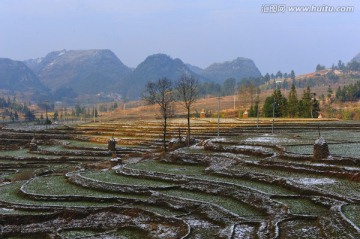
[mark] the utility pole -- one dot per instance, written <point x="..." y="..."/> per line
<point x="94" y="113"/>
<point x="235" y="96"/>
<point x="273" y="120"/>
<point x="257" y="109"/>
<point x="218" y="131"/>
<point x="46" y="114"/>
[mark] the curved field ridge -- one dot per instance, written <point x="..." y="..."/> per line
<point x="248" y="183"/>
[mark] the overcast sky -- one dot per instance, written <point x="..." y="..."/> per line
<point x="199" y="32"/>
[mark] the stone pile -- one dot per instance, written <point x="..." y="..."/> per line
<point x="321" y="149"/>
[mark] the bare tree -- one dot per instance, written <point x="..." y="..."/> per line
<point x="160" y="93"/>
<point x="187" y="91"/>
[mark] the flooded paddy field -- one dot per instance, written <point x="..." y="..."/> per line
<point x="64" y="182"/>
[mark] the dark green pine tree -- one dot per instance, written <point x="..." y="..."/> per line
<point x="281" y="104"/>
<point x="56" y="116"/>
<point x="305" y="110"/>
<point x="252" y="112"/>
<point x="268" y="106"/>
<point x="292" y="75"/>
<point x="277" y="104"/>
<point x="293" y="103"/>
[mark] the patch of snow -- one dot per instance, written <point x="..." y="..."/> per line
<point x="243" y="231"/>
<point x="249" y="147"/>
<point x="268" y="139"/>
<point x="320" y="141"/>
<point x="198" y="223"/>
<point x="316" y="181"/>
<point x="115" y="159"/>
<point x="218" y="140"/>
<point x="352" y="168"/>
<point x="7" y="209"/>
<point x="117" y="167"/>
<point x="196" y="147"/>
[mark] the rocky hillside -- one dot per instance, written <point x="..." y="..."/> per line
<point x="16" y="76"/>
<point x="84" y="71"/>
<point x="155" y="67"/>
<point x="74" y="73"/>
<point x="237" y="69"/>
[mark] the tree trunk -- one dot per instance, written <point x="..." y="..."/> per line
<point x="164" y="131"/>
<point x="188" y="127"/>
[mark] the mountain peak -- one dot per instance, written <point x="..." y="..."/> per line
<point x="15" y="75"/>
<point x="81" y="70"/>
<point x="238" y="68"/>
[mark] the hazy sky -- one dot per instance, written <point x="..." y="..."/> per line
<point x="199" y="32"/>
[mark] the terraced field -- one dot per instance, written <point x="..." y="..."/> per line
<point x="247" y="183"/>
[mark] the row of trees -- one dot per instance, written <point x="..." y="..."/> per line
<point x="278" y="105"/>
<point x="230" y="86"/>
<point x="348" y="93"/>
<point x="279" y="75"/>
<point x="350" y="66"/>
<point x="12" y="109"/>
<point x="163" y="92"/>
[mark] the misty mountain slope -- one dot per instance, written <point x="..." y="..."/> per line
<point x="356" y="58"/>
<point x="16" y="76"/>
<point x="153" y="68"/>
<point x="238" y="69"/>
<point x="85" y="71"/>
<point x="195" y="69"/>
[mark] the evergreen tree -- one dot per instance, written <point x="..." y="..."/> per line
<point x="78" y="110"/>
<point x="279" y="74"/>
<point x="16" y="116"/>
<point x="268" y="106"/>
<point x="56" y="116"/>
<point x="276" y="104"/>
<point x="329" y="92"/>
<point x="309" y="106"/>
<point x="292" y="75"/>
<point x="267" y="77"/>
<point x="341" y="65"/>
<point x="320" y="67"/>
<point x="293" y="105"/>
<point x="252" y="111"/>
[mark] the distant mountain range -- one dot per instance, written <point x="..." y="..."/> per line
<point x="87" y="72"/>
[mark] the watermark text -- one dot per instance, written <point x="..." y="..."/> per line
<point x="283" y="8"/>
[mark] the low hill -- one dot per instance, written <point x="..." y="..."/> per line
<point x="238" y="69"/>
